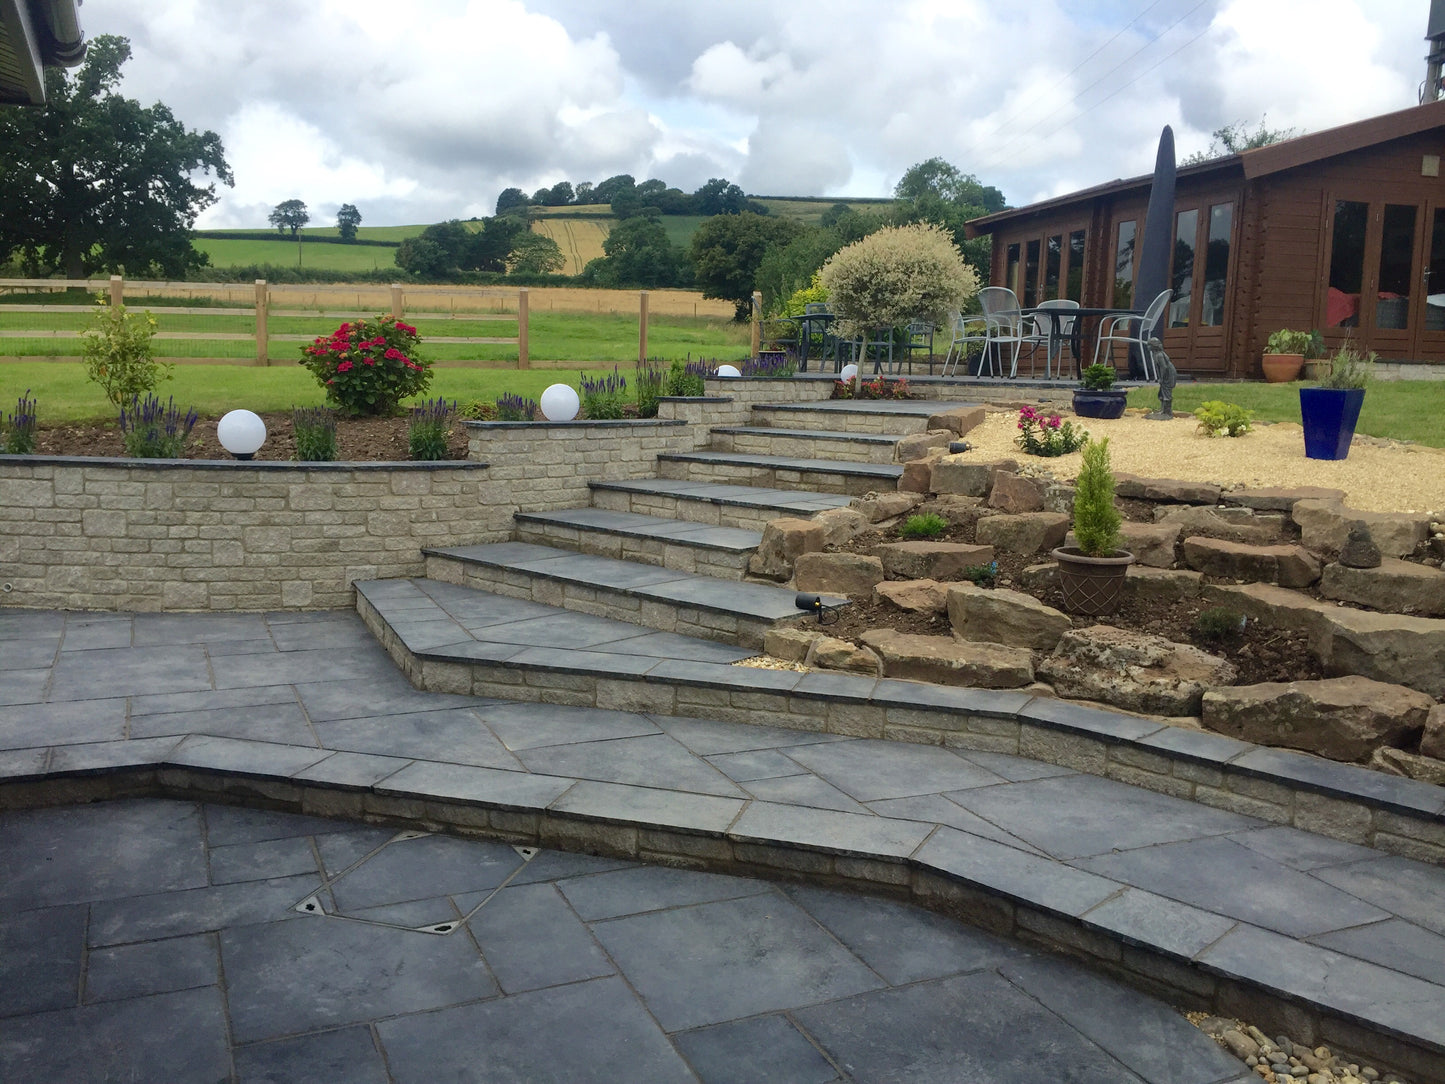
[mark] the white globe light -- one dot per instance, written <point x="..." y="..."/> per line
<point x="728" y="370"/>
<point x="849" y="372"/>
<point x="241" y="433"/>
<point x="560" y="403"/>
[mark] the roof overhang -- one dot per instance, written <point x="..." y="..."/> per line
<point x="35" y="35"/>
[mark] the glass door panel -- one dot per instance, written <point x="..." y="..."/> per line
<point x="1124" y="266"/>
<point x="1435" y="275"/>
<point x="1397" y="260"/>
<point x="1347" y="263"/>
<point x="1216" y="265"/>
<point x="1186" y="226"/>
<point x="1053" y="259"/>
<point x="1031" y="275"/>
<point x="1074" y="283"/>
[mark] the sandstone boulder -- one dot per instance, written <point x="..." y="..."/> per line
<point x="1359" y="549"/>
<point x="1286" y="565"/>
<point x="1059" y="497"/>
<point x="1002" y="616"/>
<point x="789" y="644"/>
<point x="917" y="476"/>
<point x="1163" y="586"/>
<point x="1273" y="607"/>
<point x="930" y="560"/>
<point x="1171" y="490"/>
<point x="784" y="541"/>
<point x="1433" y="742"/>
<point x="1040" y="577"/>
<point x="1133" y="670"/>
<point x="917" y="445"/>
<point x="1344" y="718"/>
<point x="837" y="573"/>
<point x="841" y="525"/>
<point x="880" y="506"/>
<point x="945" y="661"/>
<point x="1324" y="526"/>
<point x="967" y="475"/>
<point x="957" y="421"/>
<point x="831" y="653"/>
<point x="1394" y="648"/>
<point x="1394" y="585"/>
<point x="915" y="596"/>
<point x="1409" y="765"/>
<point x="1217" y="523"/>
<point x="1031" y="532"/>
<point x="955" y="508"/>
<point x="1014" y="493"/>
<point x="1278" y="498"/>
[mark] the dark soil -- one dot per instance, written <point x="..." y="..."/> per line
<point x="1258" y="653"/>
<point x="363" y="440"/>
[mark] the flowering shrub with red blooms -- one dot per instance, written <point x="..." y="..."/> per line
<point x="368" y="366"/>
<point x="877" y="388"/>
<point x="1048" y="434"/>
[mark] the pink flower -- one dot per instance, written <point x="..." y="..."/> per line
<point x="393" y="354"/>
<point x="368" y="361"/>
<point x="344" y="367"/>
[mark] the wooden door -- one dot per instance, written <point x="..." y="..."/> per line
<point x="1375" y="284"/>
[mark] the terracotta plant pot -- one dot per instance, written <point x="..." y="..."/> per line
<point x="1281" y="368"/>
<point x="1093" y="586"/>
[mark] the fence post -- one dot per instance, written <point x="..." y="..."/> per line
<point x="758" y="322"/>
<point x="397" y="301"/>
<point x="522" y="362"/>
<point x="117" y="291"/>
<point x="642" y="328"/>
<point x="262" y="303"/>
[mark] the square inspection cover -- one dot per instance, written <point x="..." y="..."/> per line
<point x="406" y="882"/>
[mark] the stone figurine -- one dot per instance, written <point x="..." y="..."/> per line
<point x="1167" y="377"/>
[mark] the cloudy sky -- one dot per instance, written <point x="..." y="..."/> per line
<point x="423" y="111"/>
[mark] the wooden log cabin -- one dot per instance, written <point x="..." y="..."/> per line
<point x="1341" y="230"/>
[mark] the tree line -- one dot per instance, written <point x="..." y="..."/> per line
<point x="627" y="198"/>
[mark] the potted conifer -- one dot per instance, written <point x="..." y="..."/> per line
<point x="1098" y="398"/>
<point x="1092" y="571"/>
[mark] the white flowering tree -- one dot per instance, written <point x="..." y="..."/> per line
<point x="898" y="274"/>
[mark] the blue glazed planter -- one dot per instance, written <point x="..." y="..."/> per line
<point x="1100" y="404"/>
<point x="1329" y="416"/>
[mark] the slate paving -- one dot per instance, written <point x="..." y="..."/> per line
<point x="158" y="940"/>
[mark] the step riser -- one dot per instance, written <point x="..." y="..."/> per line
<point x="839" y="421"/>
<point x="772" y="477"/>
<point x="668" y="506"/>
<point x="803" y="448"/>
<point x="663" y="616"/>
<point x="719" y="564"/>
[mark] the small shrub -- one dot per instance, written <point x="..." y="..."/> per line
<point x="430" y="429"/>
<point x="369" y="366"/>
<point x="1285" y="341"/>
<point x="315" y="429"/>
<point x="771" y="364"/>
<point x="602" y="398"/>
<point x="877" y="388"/>
<point x="898" y="274"/>
<point x="1216" y="418"/>
<point x="1047" y="434"/>
<point x="686" y="378"/>
<point x="478" y="410"/>
<point x="19" y="428"/>
<point x="1096" y="520"/>
<point x="515" y="408"/>
<point x="119" y="355"/>
<point x="842" y="389"/>
<point x="983" y="575"/>
<point x="1219" y="625"/>
<point x="1098" y="377"/>
<point x="152" y="431"/>
<point x="649" y="380"/>
<point x="927" y="525"/>
<point x="1350" y="369"/>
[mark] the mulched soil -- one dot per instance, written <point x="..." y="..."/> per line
<point x="362" y="440"/>
<point x="1258" y="653"/>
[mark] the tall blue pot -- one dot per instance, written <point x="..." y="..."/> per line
<point x="1329" y="416"/>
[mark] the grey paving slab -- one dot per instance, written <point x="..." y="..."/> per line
<point x="492" y="786"/>
<point x="1409" y="795"/>
<point x="347" y="1054"/>
<point x="759" y="1050"/>
<point x="1394" y="943"/>
<point x="58" y="856"/>
<point x="16" y="624"/>
<point x="28" y="725"/>
<point x="652" y="760"/>
<point x="636" y="525"/>
<point x="752" y="955"/>
<point x="1015" y="769"/>
<point x="1016" y="874"/>
<point x="625" y="804"/>
<point x="828" y="830"/>
<point x="531" y="938"/>
<point x="870" y="770"/>
<point x="782" y="500"/>
<point x="85" y="632"/>
<point x="195" y="910"/>
<point x="29" y="654"/>
<point x="23" y="686"/>
<point x="640" y="889"/>
<point x="332" y="636"/>
<point x="1412" y="890"/>
<point x="228" y="825"/>
<point x="755" y="764"/>
<point x="211" y="700"/>
<point x="531" y="726"/>
<point x="285" y="723"/>
<point x="669" y="645"/>
<point x="40" y="959"/>
<point x="424" y="867"/>
<point x="1091" y="721"/>
<point x="25" y="763"/>
<point x="708" y="736"/>
<point x="592" y="1030"/>
<point x="120" y="671"/>
<point x="1151" y="1039"/>
<point x="176" y="1037"/>
<point x="150" y="629"/>
<point x="1080" y="815"/>
<point x="243" y="756"/>
<point x="359" y="771"/>
<point x="385" y="692"/>
<point x="909" y="1036"/>
<point x="805" y="790"/>
<point x="152" y="967"/>
<point x="435" y="911"/>
<point x="881" y="471"/>
<point x="938" y="809"/>
<point x="1145" y="918"/>
<point x="100" y="756"/>
<point x="813" y="434"/>
<point x="559" y="629"/>
<point x="341" y="850"/>
<point x="388" y="972"/>
<point x="556" y="865"/>
<point x="1221" y="876"/>
<point x="262" y="861"/>
<point x="295" y="667"/>
<point x="457" y="735"/>
<point x="1301" y="850"/>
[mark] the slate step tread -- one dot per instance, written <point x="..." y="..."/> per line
<point x="797" y="501"/>
<point x="809" y="434"/>
<point x="907" y="408"/>
<point x="889" y="471"/>
<point x="680" y="532"/>
<point x="755" y="601"/>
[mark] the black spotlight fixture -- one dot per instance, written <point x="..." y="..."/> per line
<point x="813" y="604"/>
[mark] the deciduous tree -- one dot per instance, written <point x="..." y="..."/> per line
<point x="727" y="251"/>
<point x="289" y="214"/>
<point x="347" y="219"/>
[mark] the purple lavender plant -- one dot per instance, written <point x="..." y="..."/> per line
<point x="514" y="408"/>
<point x="771" y="364"/>
<point x="153" y="431"/>
<point x="602" y="398"/>
<point x="19" y="428"/>
<point x="650" y="376"/>
<point x="430" y="429"/>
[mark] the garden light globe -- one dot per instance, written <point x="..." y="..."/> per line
<point x="728" y="370"/>
<point x="849" y="372"/>
<point x="241" y="433"/>
<point x="560" y="403"/>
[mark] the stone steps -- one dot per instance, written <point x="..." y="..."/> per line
<point x="899" y="418"/>
<point x="748" y="507"/>
<point x="679" y="544"/>
<point x="777" y="472"/>
<point x="657" y="598"/>
<point x="805" y="443"/>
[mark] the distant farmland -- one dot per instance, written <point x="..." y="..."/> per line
<point x="580" y="239"/>
<point x="225" y="252"/>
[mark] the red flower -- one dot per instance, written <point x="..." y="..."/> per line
<point x="366" y="361"/>
<point x="405" y="327"/>
<point x="393" y="354"/>
<point x="344" y="367"/>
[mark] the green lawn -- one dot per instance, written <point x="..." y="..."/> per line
<point x="1400" y="409"/>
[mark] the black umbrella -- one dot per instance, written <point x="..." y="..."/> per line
<point x="1153" y="276"/>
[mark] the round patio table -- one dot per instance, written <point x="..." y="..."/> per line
<point x="1075" y="334"/>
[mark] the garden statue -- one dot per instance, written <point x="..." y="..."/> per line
<point x="1167" y="376"/>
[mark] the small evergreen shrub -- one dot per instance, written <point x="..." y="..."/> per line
<point x="1217" y="418"/>
<point x="479" y="410"/>
<point x="927" y="525"/>
<point x="315" y="429"/>
<point x="19" y="428"/>
<point x="603" y="398"/>
<point x="1219" y="625"/>
<point x="1096" y="520"/>
<point x="983" y="575"/>
<point x="1099" y="377"/>
<point x="119" y="355"/>
<point x="152" y="431"/>
<point x="430" y="429"/>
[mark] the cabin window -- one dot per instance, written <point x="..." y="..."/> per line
<point x="1031" y="274"/>
<point x="1124" y="266"/>
<point x="1435" y="276"/>
<point x="1216" y="264"/>
<point x="1011" y="269"/>
<point x="1397" y="256"/>
<point x="1347" y="263"/>
<point x="1186" y="226"/>
<point x="1053" y="261"/>
<point x="1074" y="281"/>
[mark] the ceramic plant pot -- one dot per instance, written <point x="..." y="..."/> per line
<point x="1093" y="586"/>
<point x="1100" y="404"/>
<point x="1329" y="416"/>
<point x="1281" y="368"/>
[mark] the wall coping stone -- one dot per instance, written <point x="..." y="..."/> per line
<point x="266" y="465"/>
<point x="580" y="424"/>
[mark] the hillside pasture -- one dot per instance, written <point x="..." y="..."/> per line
<point x="225" y="252"/>
<point x="580" y="238"/>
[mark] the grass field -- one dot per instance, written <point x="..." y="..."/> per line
<point x="282" y="253"/>
<point x="580" y="239"/>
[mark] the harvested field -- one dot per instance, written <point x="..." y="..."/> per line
<point x="580" y="239"/>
